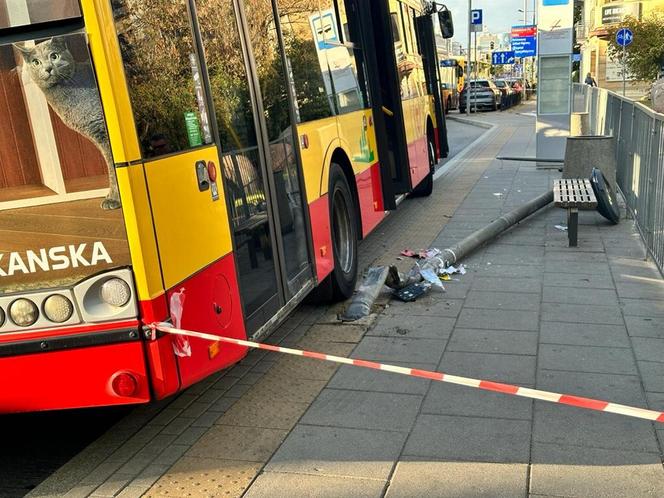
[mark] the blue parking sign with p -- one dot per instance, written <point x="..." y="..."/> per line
<point x="476" y="16"/>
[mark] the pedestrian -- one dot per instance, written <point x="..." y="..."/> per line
<point x="590" y="80"/>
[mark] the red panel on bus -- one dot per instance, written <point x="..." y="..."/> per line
<point x="74" y="378"/>
<point x="212" y="305"/>
<point x="319" y="211"/>
<point x="370" y="194"/>
<point x="419" y="160"/>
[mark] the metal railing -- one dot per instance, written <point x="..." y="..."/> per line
<point x="639" y="133"/>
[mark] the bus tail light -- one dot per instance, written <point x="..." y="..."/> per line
<point x="124" y="384"/>
<point x="58" y="308"/>
<point x="115" y="292"/>
<point x="23" y="312"/>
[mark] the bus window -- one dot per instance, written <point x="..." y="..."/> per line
<point x="304" y="39"/>
<point x="406" y="32"/>
<point x="164" y="83"/>
<point x="394" y="22"/>
<point x="243" y="176"/>
<point x="25" y="12"/>
<point x="282" y="158"/>
<point x="413" y="16"/>
<point x="346" y="63"/>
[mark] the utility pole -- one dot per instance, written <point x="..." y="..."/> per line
<point x="476" y="64"/>
<point x="624" y="75"/>
<point x="525" y="61"/>
<point x="468" y="54"/>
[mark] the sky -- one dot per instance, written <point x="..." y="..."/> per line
<point x="499" y="15"/>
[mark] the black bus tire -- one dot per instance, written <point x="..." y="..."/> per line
<point x="343" y="227"/>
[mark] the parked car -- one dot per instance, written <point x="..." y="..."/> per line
<point x="510" y="96"/>
<point x="483" y="95"/>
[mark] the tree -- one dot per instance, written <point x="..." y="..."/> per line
<point x="644" y="56"/>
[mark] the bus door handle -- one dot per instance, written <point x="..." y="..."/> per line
<point x="387" y="111"/>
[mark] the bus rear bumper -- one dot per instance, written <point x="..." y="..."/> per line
<point x="62" y="378"/>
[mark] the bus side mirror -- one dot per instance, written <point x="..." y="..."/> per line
<point x="459" y="71"/>
<point x="446" y="23"/>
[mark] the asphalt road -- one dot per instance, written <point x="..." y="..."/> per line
<point x="32" y="446"/>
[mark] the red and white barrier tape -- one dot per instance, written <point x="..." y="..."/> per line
<point x="565" y="399"/>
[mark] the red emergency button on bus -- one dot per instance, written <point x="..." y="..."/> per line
<point x="124" y="384"/>
<point x="212" y="171"/>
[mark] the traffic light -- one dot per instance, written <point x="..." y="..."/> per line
<point x="492" y="45"/>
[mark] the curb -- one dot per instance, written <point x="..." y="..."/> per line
<point x="472" y="122"/>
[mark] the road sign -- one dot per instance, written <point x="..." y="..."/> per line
<point x="476" y="19"/>
<point x="624" y="37"/>
<point x="524" y="41"/>
<point x="524" y="31"/>
<point x="449" y="63"/>
<point x="524" y="47"/>
<point x="502" y="58"/>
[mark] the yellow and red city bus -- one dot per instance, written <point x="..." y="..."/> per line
<point x="208" y="162"/>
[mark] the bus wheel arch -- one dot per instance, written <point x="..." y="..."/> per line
<point x="340" y="158"/>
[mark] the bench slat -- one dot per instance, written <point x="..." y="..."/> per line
<point x="574" y="193"/>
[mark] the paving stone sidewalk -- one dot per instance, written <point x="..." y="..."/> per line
<point x="530" y="311"/>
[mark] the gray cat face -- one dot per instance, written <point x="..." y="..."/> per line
<point x="49" y="62"/>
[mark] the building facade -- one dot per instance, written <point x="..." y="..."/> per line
<point x="597" y="16"/>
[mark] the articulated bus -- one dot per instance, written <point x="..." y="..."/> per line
<point x="207" y="162"/>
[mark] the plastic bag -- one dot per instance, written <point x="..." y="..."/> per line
<point x="181" y="345"/>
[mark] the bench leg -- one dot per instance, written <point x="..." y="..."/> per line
<point x="572" y="226"/>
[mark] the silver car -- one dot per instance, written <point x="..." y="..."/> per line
<point x="483" y="95"/>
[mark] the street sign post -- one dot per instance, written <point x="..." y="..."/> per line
<point x="506" y="57"/>
<point x="624" y="37"/>
<point x="476" y="23"/>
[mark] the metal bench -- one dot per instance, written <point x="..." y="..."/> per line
<point x="573" y="194"/>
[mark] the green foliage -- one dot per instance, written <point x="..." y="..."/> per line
<point x="644" y="56"/>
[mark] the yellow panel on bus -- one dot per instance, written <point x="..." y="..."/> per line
<point x="192" y="227"/>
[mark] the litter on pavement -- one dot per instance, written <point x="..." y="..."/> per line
<point x="422" y="254"/>
<point x="412" y="292"/>
<point x="430" y="271"/>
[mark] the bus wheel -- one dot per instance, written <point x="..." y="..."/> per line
<point x="425" y="188"/>
<point x="344" y="235"/>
